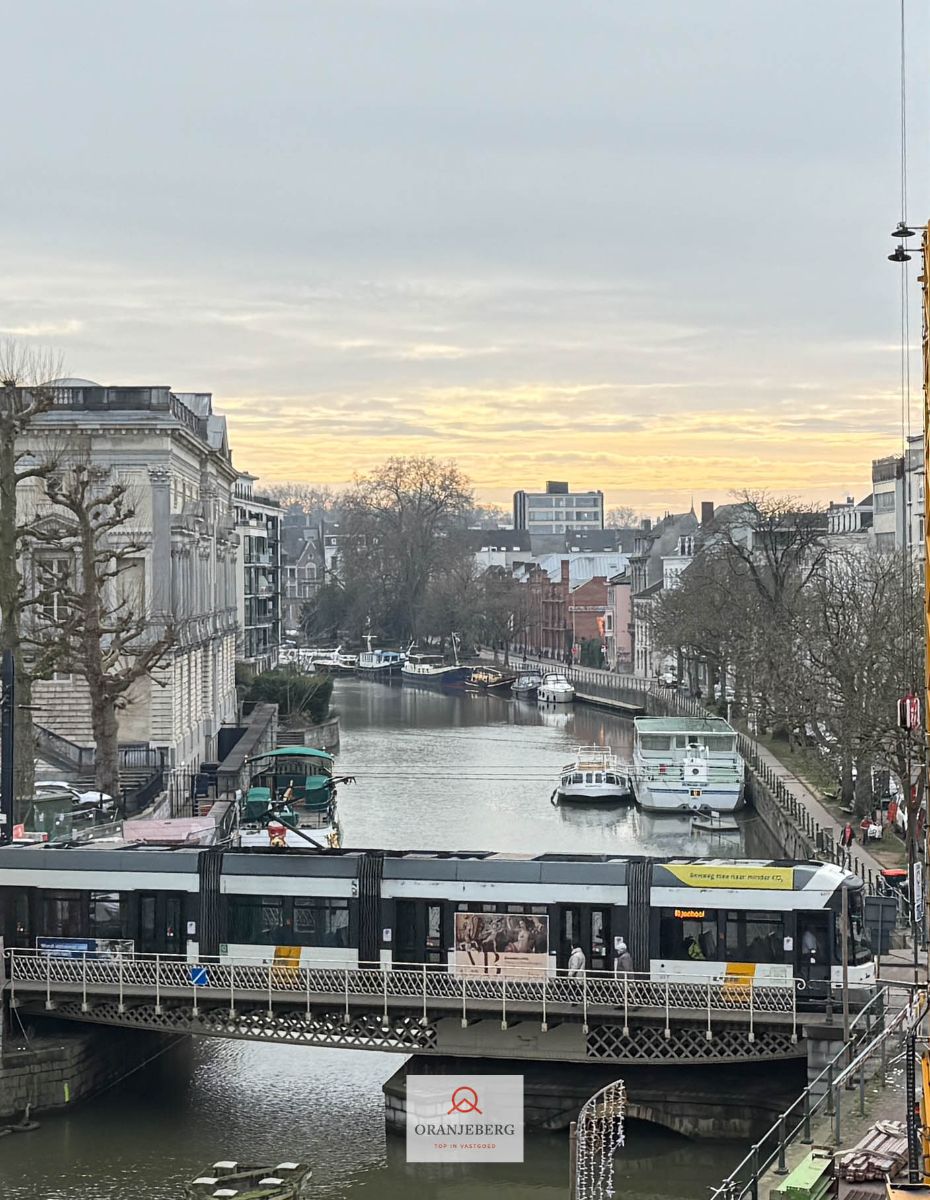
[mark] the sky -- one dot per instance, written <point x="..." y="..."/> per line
<point x="636" y="246"/>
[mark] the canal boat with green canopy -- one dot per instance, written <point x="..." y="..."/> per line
<point x="293" y="787"/>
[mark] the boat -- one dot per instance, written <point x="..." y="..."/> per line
<point x="234" y="1179"/>
<point x="489" y="679"/>
<point x="554" y="688"/>
<point x="334" y="662"/>
<point x="684" y="763"/>
<point x="432" y="670"/>
<point x="705" y="820"/>
<point x="525" y="687"/>
<point x="595" y="774"/>
<point x="380" y="664"/>
<point x="291" y="800"/>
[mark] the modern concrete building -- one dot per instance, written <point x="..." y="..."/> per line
<point x="889" y="521"/>
<point x="171" y="451"/>
<point x="557" y="510"/>
<point x="258" y="576"/>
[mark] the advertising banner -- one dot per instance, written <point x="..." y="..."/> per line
<point x="464" y="1118"/>
<point x="775" y="879"/>
<point x="500" y="944"/>
<point x="65" y="947"/>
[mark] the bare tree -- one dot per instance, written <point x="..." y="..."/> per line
<point x="622" y="516"/>
<point x="94" y="617"/>
<point x="397" y="522"/>
<point x="25" y="373"/>
<point x="316" y="500"/>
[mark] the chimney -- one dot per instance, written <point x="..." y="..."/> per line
<point x="707" y="513"/>
<point x="564" y="567"/>
<point x="647" y="524"/>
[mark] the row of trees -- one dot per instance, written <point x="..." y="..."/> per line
<point x="75" y="611"/>
<point x="406" y="569"/>
<point x="817" y="643"/>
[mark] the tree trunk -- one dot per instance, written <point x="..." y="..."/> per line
<point x="106" y="739"/>
<point x="847" y="783"/>
<point x="10" y="621"/>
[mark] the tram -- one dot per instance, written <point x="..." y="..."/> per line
<point x="468" y="912"/>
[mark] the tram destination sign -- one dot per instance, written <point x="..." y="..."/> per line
<point x="509" y="944"/>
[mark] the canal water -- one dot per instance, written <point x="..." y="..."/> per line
<point x="433" y="771"/>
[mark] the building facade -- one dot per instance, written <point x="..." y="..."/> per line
<point x="558" y="510"/>
<point x="259" y="584"/>
<point x="171" y="452"/>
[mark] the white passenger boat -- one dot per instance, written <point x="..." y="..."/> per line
<point x="554" y="688"/>
<point x="380" y="664"/>
<point x="684" y="763"/>
<point x="596" y="774"/>
<point x="334" y="662"/>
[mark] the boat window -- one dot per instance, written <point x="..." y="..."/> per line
<point x="320" y="922"/>
<point x="611" y="778"/>
<point x="720" y="743"/>
<point x="599" y="777"/>
<point x="652" y="741"/>
<point x="688" y="933"/>
<point x="681" y="742"/>
<point x="589" y="777"/>
<point x="755" y="937"/>
<point x="577" y="777"/>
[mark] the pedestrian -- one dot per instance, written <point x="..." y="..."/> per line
<point x="576" y="962"/>
<point x="847" y="837"/>
<point x="864" y="826"/>
<point x="624" y="957"/>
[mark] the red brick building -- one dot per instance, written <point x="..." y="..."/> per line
<point x="559" y="615"/>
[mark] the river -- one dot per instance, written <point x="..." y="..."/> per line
<point x="433" y="771"/>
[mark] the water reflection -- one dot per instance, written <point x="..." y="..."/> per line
<point x="434" y="771"/>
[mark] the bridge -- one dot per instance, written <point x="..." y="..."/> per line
<point x="587" y="1018"/>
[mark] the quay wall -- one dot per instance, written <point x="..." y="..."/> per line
<point x="324" y="736"/>
<point x="56" y="1068"/>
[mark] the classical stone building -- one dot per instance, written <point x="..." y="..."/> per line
<point x="171" y="451"/>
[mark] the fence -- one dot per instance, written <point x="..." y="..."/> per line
<point x="858" y="1060"/>
<point x="619" y="994"/>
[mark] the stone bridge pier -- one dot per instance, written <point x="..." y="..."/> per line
<point x="738" y="1102"/>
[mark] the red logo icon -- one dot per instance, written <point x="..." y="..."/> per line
<point x="465" y="1100"/>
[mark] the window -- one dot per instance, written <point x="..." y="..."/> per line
<point x="63" y="911"/>
<point x="258" y="921"/>
<point x="321" y="922"/>
<point x="755" y="937"/>
<point x="688" y="933"/>
<point x="105" y="919"/>
<point x="52" y="576"/>
<point x="434" y="925"/>
<point x="884" y="502"/>
<point x="652" y="741"/>
<point x="884" y="543"/>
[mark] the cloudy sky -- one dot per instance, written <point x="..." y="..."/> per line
<point x="639" y="246"/>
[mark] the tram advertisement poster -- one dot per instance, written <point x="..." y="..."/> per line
<point x="65" y="947"/>
<point x="501" y="943"/>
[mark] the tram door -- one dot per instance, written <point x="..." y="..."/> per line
<point x="813" y="946"/>
<point x="587" y="927"/>
<point x="160" y="928"/>
<point x="418" y="932"/>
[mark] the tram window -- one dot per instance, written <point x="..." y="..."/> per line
<point x="258" y="921"/>
<point x="598" y="941"/>
<point x="568" y="925"/>
<point x="688" y="933"/>
<point x="860" y="944"/>
<point x="105" y="915"/>
<point x="321" y="922"/>
<point x="434" y="924"/>
<point x="63" y="913"/>
<point x="755" y="937"/>
<point x="489" y="908"/>
<point x="539" y="909"/>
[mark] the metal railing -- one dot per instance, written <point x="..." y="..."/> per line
<point x="621" y="995"/>
<point x="871" y="1034"/>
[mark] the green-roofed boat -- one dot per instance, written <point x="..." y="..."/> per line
<point x="291" y="800"/>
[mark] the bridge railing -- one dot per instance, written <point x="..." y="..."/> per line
<point x="871" y="1031"/>
<point x="423" y="985"/>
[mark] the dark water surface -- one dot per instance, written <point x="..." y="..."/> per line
<point x="434" y="771"/>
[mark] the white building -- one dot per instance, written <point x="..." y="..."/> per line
<point x="557" y="510"/>
<point x="171" y="450"/>
<point x="258" y="576"/>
